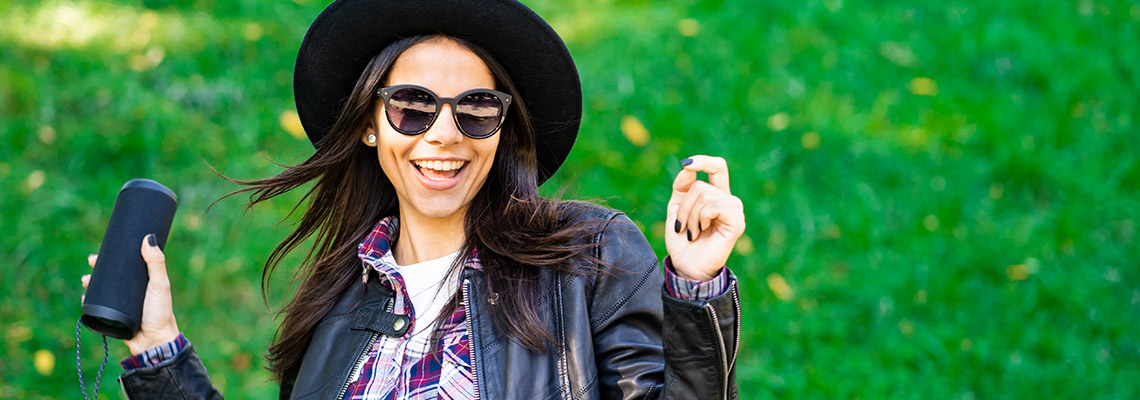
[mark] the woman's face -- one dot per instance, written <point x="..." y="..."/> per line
<point x="438" y="172"/>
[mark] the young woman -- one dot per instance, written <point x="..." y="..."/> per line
<point x="438" y="271"/>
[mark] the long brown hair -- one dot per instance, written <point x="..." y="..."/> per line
<point x="517" y="231"/>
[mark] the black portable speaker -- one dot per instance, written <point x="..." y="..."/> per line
<point x="117" y="288"/>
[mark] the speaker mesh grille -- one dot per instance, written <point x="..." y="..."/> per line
<point x="120" y="276"/>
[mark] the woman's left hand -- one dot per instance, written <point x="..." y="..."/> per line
<point x="704" y="219"/>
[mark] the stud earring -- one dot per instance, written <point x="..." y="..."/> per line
<point x="371" y="139"/>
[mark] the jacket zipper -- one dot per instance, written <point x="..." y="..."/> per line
<point x="359" y="364"/>
<point x="736" y="348"/>
<point x="564" y="376"/>
<point x="360" y="359"/>
<point x="723" y="351"/>
<point x="467" y="305"/>
<point x="720" y="337"/>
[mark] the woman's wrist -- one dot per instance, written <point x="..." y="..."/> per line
<point x="700" y="274"/>
<point x="698" y="278"/>
<point x="156" y="355"/>
<point x="140" y="344"/>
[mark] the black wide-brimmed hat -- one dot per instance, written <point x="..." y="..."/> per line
<point x="349" y="33"/>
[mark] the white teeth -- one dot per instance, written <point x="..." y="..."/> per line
<point x="439" y="165"/>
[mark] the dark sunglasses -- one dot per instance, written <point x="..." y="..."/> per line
<point x="412" y="109"/>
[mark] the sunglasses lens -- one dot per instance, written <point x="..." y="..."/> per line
<point x="411" y="110"/>
<point x="479" y="114"/>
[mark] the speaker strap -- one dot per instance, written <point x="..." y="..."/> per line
<point x="79" y="364"/>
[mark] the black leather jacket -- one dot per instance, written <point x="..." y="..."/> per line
<point x="619" y="337"/>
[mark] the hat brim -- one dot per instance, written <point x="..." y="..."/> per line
<point x="349" y="33"/>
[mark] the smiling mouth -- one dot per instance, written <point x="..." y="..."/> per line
<point x="439" y="170"/>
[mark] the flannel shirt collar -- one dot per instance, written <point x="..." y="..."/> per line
<point x="376" y="251"/>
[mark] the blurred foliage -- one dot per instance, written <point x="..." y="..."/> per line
<point x="942" y="196"/>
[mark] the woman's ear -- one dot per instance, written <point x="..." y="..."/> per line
<point x="370" y="135"/>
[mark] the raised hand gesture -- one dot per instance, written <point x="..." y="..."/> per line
<point x="703" y="219"/>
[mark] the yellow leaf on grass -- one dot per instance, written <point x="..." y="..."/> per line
<point x="810" y="140"/>
<point x="1077" y="110"/>
<point x="1019" y="272"/>
<point x="192" y="222"/>
<point x="35" y="180"/>
<point x="44" y="361"/>
<point x="930" y="223"/>
<point x="898" y="53"/>
<point x="689" y="27"/>
<point x="780" y="287"/>
<point x="241" y="361"/>
<point x="778" y="122"/>
<point x="46" y="134"/>
<point x="146" y="61"/>
<point x="924" y="86"/>
<point x="18" y="334"/>
<point x="906" y="327"/>
<point x="634" y="130"/>
<point x="833" y="232"/>
<point x="996" y="191"/>
<point x="291" y="122"/>
<point x="744" y="246"/>
<point x="252" y="31"/>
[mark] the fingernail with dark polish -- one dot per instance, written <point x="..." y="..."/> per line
<point x="151" y="240"/>
<point x="689" y="234"/>
<point x="686" y="162"/>
<point x="699" y="228"/>
<point x="677" y="226"/>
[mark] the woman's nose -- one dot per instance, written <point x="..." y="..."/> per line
<point x="444" y="132"/>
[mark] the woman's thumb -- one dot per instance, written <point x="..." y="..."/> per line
<point x="155" y="259"/>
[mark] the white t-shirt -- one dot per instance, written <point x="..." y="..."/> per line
<point x="430" y="288"/>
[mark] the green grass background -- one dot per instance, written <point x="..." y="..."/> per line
<point x="942" y="197"/>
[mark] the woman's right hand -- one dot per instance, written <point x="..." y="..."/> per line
<point x="158" y="324"/>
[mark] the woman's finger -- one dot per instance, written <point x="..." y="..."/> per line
<point x="86" y="279"/>
<point x="155" y="262"/>
<point x="717" y="211"/>
<point x="706" y="213"/>
<point x="158" y="324"/>
<point x="694" y="219"/>
<point x="716" y="167"/>
<point x="694" y="223"/>
<point x="708" y="210"/>
<point x="683" y="220"/>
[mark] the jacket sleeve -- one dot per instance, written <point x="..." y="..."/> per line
<point x="701" y="340"/>
<point x="649" y="344"/>
<point x="181" y="377"/>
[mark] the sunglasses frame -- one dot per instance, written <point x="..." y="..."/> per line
<point x="387" y="92"/>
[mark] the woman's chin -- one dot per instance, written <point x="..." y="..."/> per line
<point x="440" y="210"/>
